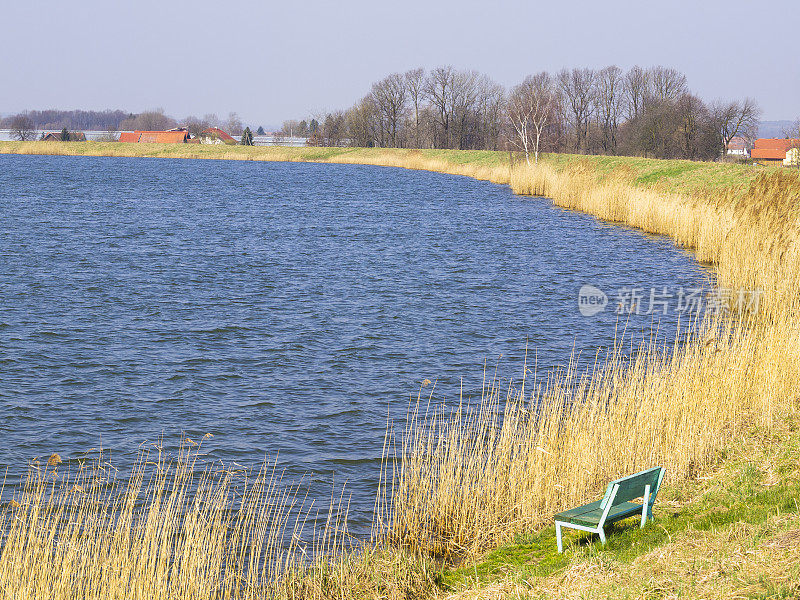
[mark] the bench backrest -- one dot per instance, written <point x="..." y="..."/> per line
<point x="633" y="486"/>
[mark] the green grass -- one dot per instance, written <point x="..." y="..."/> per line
<point x="741" y="493"/>
<point x="680" y="176"/>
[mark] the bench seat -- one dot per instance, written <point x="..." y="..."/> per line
<point x="615" y="505"/>
<point x="590" y="514"/>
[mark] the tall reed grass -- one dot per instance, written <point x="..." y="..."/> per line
<point x="180" y="529"/>
<point x="453" y="482"/>
<point x="462" y="481"/>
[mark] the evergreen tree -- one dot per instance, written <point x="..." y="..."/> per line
<point x="64" y="135"/>
<point x="260" y="130"/>
<point x="247" y="137"/>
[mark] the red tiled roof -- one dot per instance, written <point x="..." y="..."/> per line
<point x="162" y="137"/>
<point x="219" y="133"/>
<point x="769" y="153"/>
<point x="776" y="144"/>
<point x="155" y="137"/>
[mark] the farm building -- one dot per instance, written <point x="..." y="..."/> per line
<point x="215" y="135"/>
<point x="738" y="147"/>
<point x="74" y="136"/>
<point x="792" y="158"/>
<point x="174" y="136"/>
<point x="773" y="151"/>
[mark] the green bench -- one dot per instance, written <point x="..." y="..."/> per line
<point x="615" y="505"/>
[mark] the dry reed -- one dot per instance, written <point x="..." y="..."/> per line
<point x="177" y="529"/>
<point x="460" y="482"/>
<point x="453" y="483"/>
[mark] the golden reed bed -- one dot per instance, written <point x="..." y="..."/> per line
<point x="473" y="479"/>
<point x="452" y="483"/>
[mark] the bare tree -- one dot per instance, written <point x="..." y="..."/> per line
<point x="644" y="112"/>
<point x="467" y="91"/>
<point x="333" y="129"/>
<point x="667" y="83"/>
<point x="530" y="109"/>
<point x="792" y="131"/>
<point x="578" y="88"/>
<point x="234" y="124"/>
<point x="361" y="125"/>
<point x="389" y="95"/>
<point x="150" y="120"/>
<point x="635" y="86"/>
<point x="22" y="128"/>
<point x="736" y="118"/>
<point x="291" y="128"/>
<point x="439" y="90"/>
<point x="694" y="130"/>
<point x="490" y="107"/>
<point x="655" y="130"/>
<point x="196" y="125"/>
<point x="608" y="99"/>
<point x="415" y="85"/>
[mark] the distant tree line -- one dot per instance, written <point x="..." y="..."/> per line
<point x="643" y="112"/>
<point x="106" y="120"/>
<point x="25" y="125"/>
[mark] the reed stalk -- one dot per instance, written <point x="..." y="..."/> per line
<point x="453" y="482"/>
<point x="470" y="479"/>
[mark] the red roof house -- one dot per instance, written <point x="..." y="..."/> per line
<point x="776" y="143"/>
<point x="215" y="135"/>
<point x="155" y="137"/>
<point x="738" y="146"/>
<point x="772" y="151"/>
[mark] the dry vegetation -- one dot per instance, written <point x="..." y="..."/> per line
<point x="179" y="529"/>
<point x="733" y="532"/>
<point x="459" y="483"/>
<point x="472" y="480"/>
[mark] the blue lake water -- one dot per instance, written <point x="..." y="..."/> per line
<point x="284" y="308"/>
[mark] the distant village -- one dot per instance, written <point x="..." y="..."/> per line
<point x="781" y="152"/>
<point x="647" y="112"/>
<point x="763" y="151"/>
<point x="176" y="135"/>
<point x="767" y="151"/>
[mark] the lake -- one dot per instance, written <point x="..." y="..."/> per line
<point x="286" y="309"/>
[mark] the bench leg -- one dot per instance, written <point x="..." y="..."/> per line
<point x="602" y="535"/>
<point x="558" y="538"/>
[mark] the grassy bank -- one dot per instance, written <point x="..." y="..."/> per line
<point x="664" y="175"/>
<point x="733" y="532"/>
<point x="487" y="477"/>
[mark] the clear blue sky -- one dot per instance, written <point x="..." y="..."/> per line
<point x="270" y="61"/>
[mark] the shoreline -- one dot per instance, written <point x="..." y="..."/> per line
<point x="681" y="176"/>
<point x="684" y="411"/>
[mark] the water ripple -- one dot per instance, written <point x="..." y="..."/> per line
<point x="284" y="308"/>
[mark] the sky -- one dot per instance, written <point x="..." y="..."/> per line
<point x="274" y="60"/>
